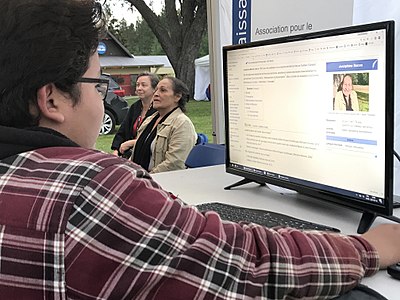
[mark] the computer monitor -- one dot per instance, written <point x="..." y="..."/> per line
<point x="314" y="113"/>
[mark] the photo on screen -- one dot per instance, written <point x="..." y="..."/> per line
<point x="351" y="92"/>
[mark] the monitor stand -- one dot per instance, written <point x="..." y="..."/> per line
<point x="242" y="182"/>
<point x="368" y="218"/>
<point x="366" y="221"/>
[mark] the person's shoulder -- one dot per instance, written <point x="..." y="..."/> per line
<point x="182" y="116"/>
<point x="178" y="114"/>
<point x="339" y="93"/>
<point x="137" y="104"/>
<point x="177" y="118"/>
<point x="78" y="167"/>
<point x="182" y="120"/>
<point x="83" y="158"/>
<point x="135" y="107"/>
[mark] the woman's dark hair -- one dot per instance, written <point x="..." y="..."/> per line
<point x="153" y="78"/>
<point x="340" y="87"/>
<point x="42" y="42"/>
<point x="179" y="87"/>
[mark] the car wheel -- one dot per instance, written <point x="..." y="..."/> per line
<point x="108" y="123"/>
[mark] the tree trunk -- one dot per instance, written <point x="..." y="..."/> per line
<point x="179" y="33"/>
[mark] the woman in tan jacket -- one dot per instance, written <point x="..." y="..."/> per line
<point x="166" y="138"/>
<point x="346" y="97"/>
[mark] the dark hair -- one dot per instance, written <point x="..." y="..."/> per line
<point x="153" y="78"/>
<point x="179" y="87"/>
<point x="340" y="88"/>
<point x="42" y="42"/>
<point x="348" y="75"/>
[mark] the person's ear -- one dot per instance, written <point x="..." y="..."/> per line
<point x="178" y="97"/>
<point x="50" y="102"/>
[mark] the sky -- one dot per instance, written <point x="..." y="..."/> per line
<point x="123" y="11"/>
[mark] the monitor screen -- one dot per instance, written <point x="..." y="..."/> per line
<point x="314" y="113"/>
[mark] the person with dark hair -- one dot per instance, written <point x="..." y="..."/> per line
<point x="167" y="137"/>
<point x="77" y="223"/>
<point x="346" y="97"/>
<point x="146" y="84"/>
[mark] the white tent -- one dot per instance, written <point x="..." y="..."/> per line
<point x="202" y="77"/>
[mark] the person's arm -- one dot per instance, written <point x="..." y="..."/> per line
<point x="127" y="145"/>
<point x="386" y="240"/>
<point x="129" y="237"/>
<point x="124" y="132"/>
<point x="339" y="101"/>
<point x="180" y="143"/>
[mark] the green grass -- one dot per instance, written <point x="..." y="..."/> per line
<point x="200" y="114"/>
<point x="198" y="111"/>
<point x="363" y="101"/>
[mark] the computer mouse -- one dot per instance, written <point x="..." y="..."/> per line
<point x="394" y="270"/>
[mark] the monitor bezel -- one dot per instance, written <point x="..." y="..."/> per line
<point x="387" y="208"/>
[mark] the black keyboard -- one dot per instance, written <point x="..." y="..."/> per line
<point x="263" y="217"/>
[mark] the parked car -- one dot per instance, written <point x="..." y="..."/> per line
<point x="115" y="106"/>
<point x="114" y="86"/>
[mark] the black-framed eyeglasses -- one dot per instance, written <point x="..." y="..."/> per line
<point x="101" y="86"/>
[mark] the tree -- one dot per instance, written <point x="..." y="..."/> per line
<point x="204" y="45"/>
<point x="140" y="40"/>
<point x="114" y="26"/>
<point x="180" y="33"/>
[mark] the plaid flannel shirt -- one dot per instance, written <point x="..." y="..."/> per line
<point x="81" y="224"/>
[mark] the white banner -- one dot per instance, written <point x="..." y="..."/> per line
<point x="271" y="19"/>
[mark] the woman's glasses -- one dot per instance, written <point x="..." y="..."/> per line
<point x="101" y="86"/>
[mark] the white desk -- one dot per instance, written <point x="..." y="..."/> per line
<point x="195" y="186"/>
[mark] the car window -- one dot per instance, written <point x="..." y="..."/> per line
<point x="112" y="84"/>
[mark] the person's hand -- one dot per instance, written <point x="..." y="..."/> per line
<point x="126" y="145"/>
<point x="115" y="152"/>
<point x="386" y="240"/>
